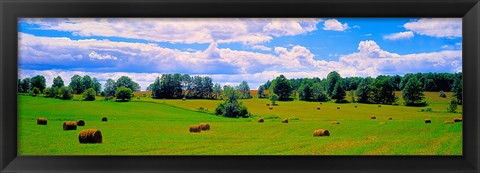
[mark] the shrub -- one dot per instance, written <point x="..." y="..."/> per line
<point x="427" y="110"/>
<point x="124" y="94"/>
<point x="109" y="98"/>
<point x="64" y="93"/>
<point x="89" y="94"/>
<point x="35" y="91"/>
<point x="49" y="92"/>
<point x="273" y="98"/>
<point x="452" y="108"/>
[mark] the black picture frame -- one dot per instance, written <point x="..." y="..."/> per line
<point x="10" y="10"/>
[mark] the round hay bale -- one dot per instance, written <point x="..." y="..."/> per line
<point x="428" y="120"/>
<point x="42" y="121"/>
<point x="390" y="118"/>
<point x="90" y="136"/>
<point x="260" y="120"/>
<point x="355" y="106"/>
<point x="457" y="120"/>
<point x="268" y="104"/>
<point x="448" y="122"/>
<point x="195" y="129"/>
<point x="104" y="119"/>
<point x="80" y="123"/>
<point x="334" y="122"/>
<point x="285" y="121"/>
<point x="318" y="108"/>
<point x="379" y="106"/>
<point x="270" y="108"/>
<point x="373" y="117"/>
<point x="183" y="99"/>
<point x="338" y="107"/>
<point x="204" y="126"/>
<point x="321" y="132"/>
<point x="321" y="103"/>
<point x="381" y="123"/>
<point x="69" y="125"/>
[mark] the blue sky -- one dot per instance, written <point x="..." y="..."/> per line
<point x="232" y="50"/>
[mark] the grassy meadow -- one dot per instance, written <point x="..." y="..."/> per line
<point x="146" y="126"/>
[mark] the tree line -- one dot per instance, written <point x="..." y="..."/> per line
<point x="89" y="87"/>
<point x="379" y="90"/>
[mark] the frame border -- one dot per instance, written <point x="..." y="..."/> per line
<point x="469" y="10"/>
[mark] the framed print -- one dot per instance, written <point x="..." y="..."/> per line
<point x="257" y="86"/>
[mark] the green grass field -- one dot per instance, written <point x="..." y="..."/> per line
<point x="148" y="126"/>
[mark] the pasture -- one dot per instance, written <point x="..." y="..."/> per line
<point x="146" y="126"/>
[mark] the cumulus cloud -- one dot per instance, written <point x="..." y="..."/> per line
<point x="144" y="62"/>
<point x="181" y="30"/>
<point x="334" y="25"/>
<point x="260" y="47"/>
<point x="399" y="35"/>
<point x="436" y="27"/>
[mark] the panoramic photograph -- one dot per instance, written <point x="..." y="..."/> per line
<point x="240" y="86"/>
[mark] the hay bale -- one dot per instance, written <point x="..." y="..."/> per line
<point x="104" y="119"/>
<point x="42" y="121"/>
<point x="80" y="123"/>
<point x="69" y="125"/>
<point x="338" y="107"/>
<point x="355" y="106"/>
<point x="90" y="136"/>
<point x="195" y="129"/>
<point x="204" y="126"/>
<point x="428" y="120"/>
<point x="183" y="99"/>
<point x="457" y="120"/>
<point x="390" y="118"/>
<point x="448" y="122"/>
<point x="321" y="103"/>
<point x="318" y="108"/>
<point x="381" y="123"/>
<point x="260" y="120"/>
<point x="268" y="104"/>
<point x="285" y="121"/>
<point x="373" y="117"/>
<point x="379" y="106"/>
<point x="270" y="108"/>
<point x="321" y="132"/>
<point x="334" y="122"/>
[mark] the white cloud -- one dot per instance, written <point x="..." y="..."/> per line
<point x="95" y="55"/>
<point x="144" y="62"/>
<point x="455" y="46"/>
<point x="399" y="35"/>
<point x="260" y="47"/>
<point x="436" y="27"/>
<point x="334" y="25"/>
<point x="181" y="30"/>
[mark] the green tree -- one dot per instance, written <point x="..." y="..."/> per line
<point x="76" y="83"/>
<point x="319" y="92"/>
<point x="217" y="90"/>
<point x="383" y="90"/>
<point x="232" y="107"/>
<point x="110" y="87"/>
<point x="64" y="93"/>
<point x="87" y="82"/>
<point x="282" y="87"/>
<point x="457" y="88"/>
<point x="412" y="93"/>
<point x="452" y="108"/>
<point x="26" y="85"/>
<point x="57" y="82"/>
<point x="49" y="92"/>
<point x="339" y="92"/>
<point x="430" y="85"/>
<point x="124" y="94"/>
<point x="364" y="91"/>
<point x="38" y="82"/>
<point x="97" y="86"/>
<point x="89" y="94"/>
<point x="273" y="97"/>
<point x="35" y="91"/>
<point x="332" y="79"/>
<point x="19" y="86"/>
<point x="245" y="90"/>
<point x="261" y="91"/>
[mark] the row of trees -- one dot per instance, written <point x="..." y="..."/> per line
<point x="175" y="86"/>
<point x="367" y="90"/>
<point x="87" y="86"/>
